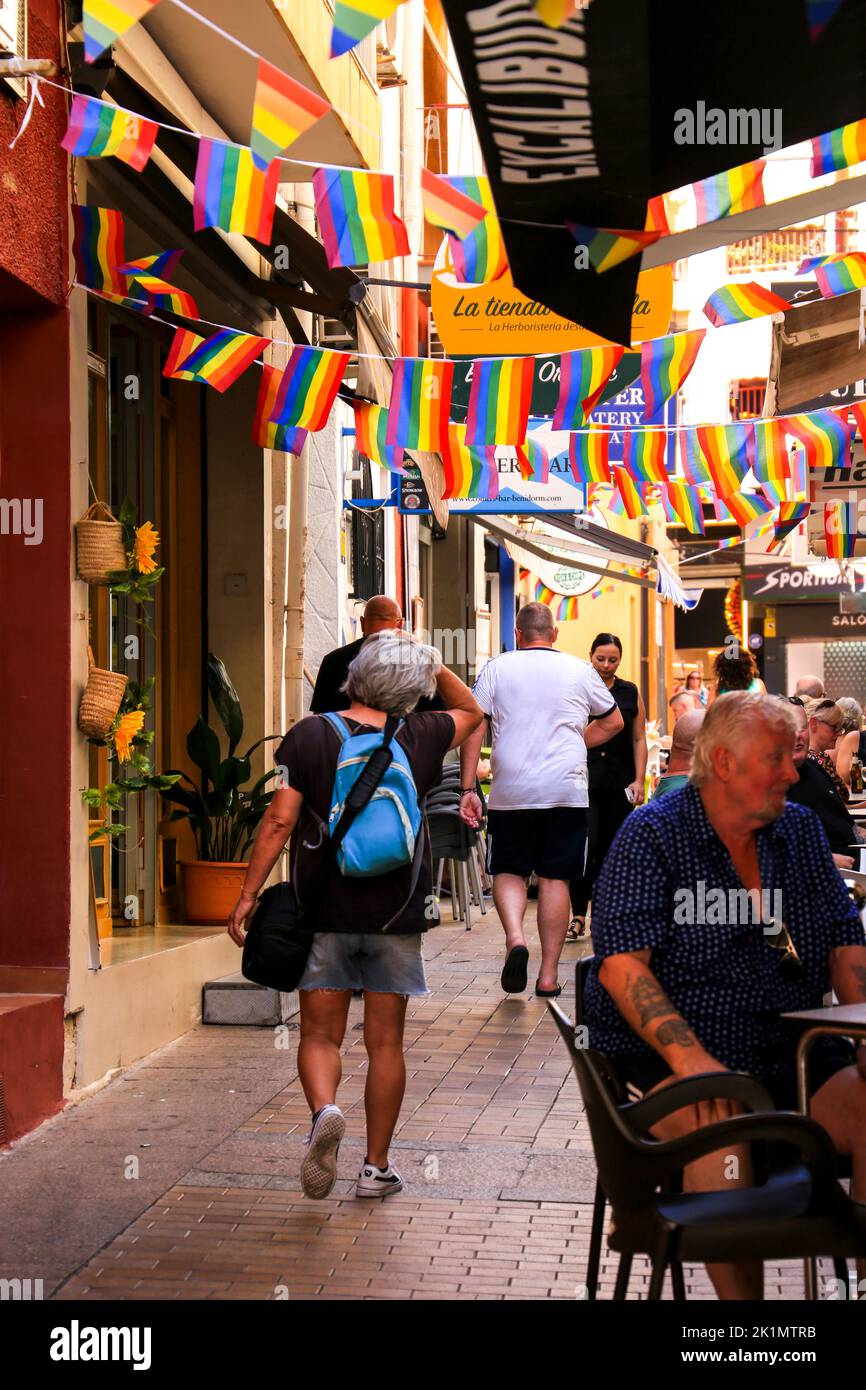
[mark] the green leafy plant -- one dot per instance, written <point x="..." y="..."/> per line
<point x="223" y="813"/>
<point x="134" y="773"/>
<point x="138" y="584"/>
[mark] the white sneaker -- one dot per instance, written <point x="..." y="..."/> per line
<point x="319" y="1168"/>
<point x="378" y="1182"/>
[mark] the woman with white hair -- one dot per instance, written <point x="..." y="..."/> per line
<point x="350" y="949"/>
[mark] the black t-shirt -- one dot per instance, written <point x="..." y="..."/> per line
<point x="611" y="765"/>
<point x="309" y="753"/>
<point x="816" y="790"/>
<point x="328" y="698"/>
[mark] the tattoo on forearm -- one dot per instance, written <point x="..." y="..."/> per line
<point x="649" y="999"/>
<point x="675" y="1030"/>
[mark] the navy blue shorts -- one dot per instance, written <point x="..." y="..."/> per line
<point x="550" y="842"/>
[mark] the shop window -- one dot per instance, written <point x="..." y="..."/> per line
<point x="368" y="538"/>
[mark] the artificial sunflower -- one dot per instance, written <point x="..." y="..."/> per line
<point x="130" y="724"/>
<point x="146" y="541"/>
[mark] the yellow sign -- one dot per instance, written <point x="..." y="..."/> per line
<point x="769" y="622"/>
<point x="496" y="320"/>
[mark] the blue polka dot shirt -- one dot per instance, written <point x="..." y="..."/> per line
<point x="655" y="892"/>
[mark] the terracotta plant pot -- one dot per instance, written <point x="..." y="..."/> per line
<point x="210" y="890"/>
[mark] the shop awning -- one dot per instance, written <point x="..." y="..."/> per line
<point x="525" y="546"/>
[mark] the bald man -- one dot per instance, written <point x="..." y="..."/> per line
<point x="381" y="612"/>
<point x="679" y="766"/>
<point x="809" y="687"/>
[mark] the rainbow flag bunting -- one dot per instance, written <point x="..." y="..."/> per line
<point x="534" y="461"/>
<point x="234" y="190"/>
<point x="842" y="274"/>
<point x="97" y="129"/>
<point x="567" y="610"/>
<point x="643" y="455"/>
<point x="819" y="14"/>
<point x="588" y="454"/>
<point x="858" y="410"/>
<point x="468" y="472"/>
<point x="657" y="215"/>
<point x="840" y="528"/>
<point x="286" y="439"/>
<point x="371" y="427"/>
<point x="543" y="594"/>
<point x="769" y="459"/>
<point x="145" y="273"/>
<point x="798" y="463"/>
<point x="726" y="451"/>
<point x="311" y="380"/>
<point x="692" y="461"/>
<point x="480" y="256"/>
<point x="357" y="220"/>
<point x="282" y="110"/>
<point x="162" y="264"/>
<point x="825" y="436"/>
<point x="736" y="190"/>
<point x="98" y="249"/>
<point x="629" y="495"/>
<point x="420" y="404"/>
<point x="664" y="365"/>
<point x="499" y="400"/>
<point x="583" y="376"/>
<point x="216" y="361"/>
<point x="608" y="246"/>
<point x="789" y="516"/>
<point x="839" y="149"/>
<point x="446" y="207"/>
<point x="107" y="20"/>
<point x="687" y="505"/>
<point x="737" y="303"/>
<point x="747" y="506"/>
<point x="355" y="19"/>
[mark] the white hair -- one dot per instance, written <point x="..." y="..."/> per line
<point x="727" y="723"/>
<point x="392" y="673"/>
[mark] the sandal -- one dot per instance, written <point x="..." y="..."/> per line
<point x="576" y="929"/>
<point x="548" y="993"/>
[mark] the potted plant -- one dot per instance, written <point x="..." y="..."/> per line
<point x="224" y="812"/>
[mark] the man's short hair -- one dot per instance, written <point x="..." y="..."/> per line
<point x="688" y="695"/>
<point x="728" y="723"/>
<point x="811" y="686"/>
<point x="535" y="620"/>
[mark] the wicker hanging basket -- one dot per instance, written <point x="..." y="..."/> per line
<point x="100" y="700"/>
<point x="99" y="547"/>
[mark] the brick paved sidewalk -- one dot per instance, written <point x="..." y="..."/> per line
<point x="491" y="1140"/>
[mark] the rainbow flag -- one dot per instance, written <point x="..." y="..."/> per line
<point x="286" y="439"/>
<point x="420" y="404"/>
<point x="543" y="594"/>
<point x="769" y="459"/>
<point x="107" y="20"/>
<point x="664" y="365"/>
<point x="468" y="472"/>
<point x="583" y="376"/>
<point x="162" y="264"/>
<point x="234" y="190"/>
<point x="311" y="380"/>
<point x="534" y="461"/>
<point x="145" y="274"/>
<point x="798" y="463"/>
<point x="839" y="149"/>
<point x="629" y="496"/>
<point x="371" y="427"/>
<point x="692" y="461"/>
<point x="567" y="609"/>
<point x="97" y="129"/>
<point x="282" y="110"/>
<point x="216" y="361"/>
<point x="687" y="505"/>
<point x="840" y="528"/>
<point x="657" y="215"/>
<point x="609" y="246"/>
<point x="737" y="303"/>
<point x="736" y="190"/>
<point x="98" y="249"/>
<point x="588" y="454"/>
<point x="858" y="410"/>
<point x="842" y="274"/>
<point x="726" y="451"/>
<point x="643" y="455"/>
<point x="355" y="19"/>
<point x="499" y="400"/>
<point x="819" y="13"/>
<point x="446" y="207"/>
<point x="357" y="220"/>
<point x="747" y="506"/>
<point x="480" y="256"/>
<point x="824" y="435"/>
<point x="789" y="516"/>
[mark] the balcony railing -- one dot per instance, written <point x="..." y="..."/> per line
<point x="774" y="251"/>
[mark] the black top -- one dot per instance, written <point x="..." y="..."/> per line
<point x="611" y="766"/>
<point x="328" y="698"/>
<point x="816" y="790"/>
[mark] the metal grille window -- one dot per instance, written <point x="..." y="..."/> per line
<point x="782" y="250"/>
<point x="368" y="538"/>
<point x="747" y="398"/>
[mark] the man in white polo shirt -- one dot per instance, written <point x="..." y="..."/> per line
<point x="539" y="702"/>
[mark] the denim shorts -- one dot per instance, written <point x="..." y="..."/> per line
<point x="366" y="960"/>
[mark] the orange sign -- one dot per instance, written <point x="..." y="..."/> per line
<point x="496" y="320"/>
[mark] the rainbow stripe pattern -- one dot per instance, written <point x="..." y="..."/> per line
<point x="282" y="110"/>
<point x="357" y="220"/>
<point x="468" y="472"/>
<point x="234" y="190"/>
<point x="839" y="149"/>
<point x="145" y="273"/>
<point x="499" y="400"/>
<point x="311" y="380"/>
<point x="107" y="20"/>
<point x="97" y="129"/>
<point x="747" y="506"/>
<point x="608" y="246"/>
<point x="842" y="274"/>
<point x="420" y="404"/>
<point x="858" y="410"/>
<point x="692" y="461"/>
<point x="840" y="528"/>
<point x="98" y="249"/>
<point x="825" y="436"/>
<point x="657" y="215"/>
<point x="446" y="207"/>
<point x="736" y="190"/>
<point x="583" y="376"/>
<point x="480" y="256"/>
<point x="726" y="451"/>
<point x="769" y="459"/>
<point x="789" y="516"/>
<point x="664" y="365"/>
<point x="355" y="19"/>
<point x="543" y="594"/>
<point x="286" y="439"/>
<point x="629" y="495"/>
<point x="566" y="611"/>
<point x="534" y="461"/>
<point x="643" y="455"/>
<point x="737" y="303"/>
<point x="686" y="504"/>
<point x="215" y="361"/>
<point x="588" y="454"/>
<point x="371" y="427"/>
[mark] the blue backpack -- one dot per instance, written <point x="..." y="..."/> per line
<point x="383" y="836"/>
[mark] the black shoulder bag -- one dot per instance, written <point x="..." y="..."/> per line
<point x="280" y="934"/>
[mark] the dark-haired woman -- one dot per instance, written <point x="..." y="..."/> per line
<point x="616" y="774"/>
<point x="735" y="669"/>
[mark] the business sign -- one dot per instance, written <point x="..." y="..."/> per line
<point x="545" y="384"/>
<point x="412" y="498"/>
<point x="811" y="620"/>
<point x="783" y="583"/>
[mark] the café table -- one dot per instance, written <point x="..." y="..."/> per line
<point x="839" y="1020"/>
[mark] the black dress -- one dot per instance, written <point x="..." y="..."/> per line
<point x="611" y="769"/>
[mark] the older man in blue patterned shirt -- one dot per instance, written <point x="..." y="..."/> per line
<point x="687" y="976"/>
